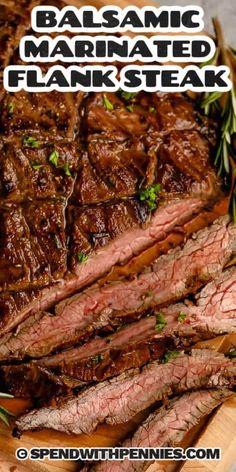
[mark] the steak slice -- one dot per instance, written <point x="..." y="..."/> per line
<point x="98" y="359"/>
<point x="167" y="427"/>
<point x="36" y="383"/>
<point x="126" y="150"/>
<point x="119" y="251"/>
<point x="170" y="278"/>
<point x="213" y="314"/>
<point x="118" y="400"/>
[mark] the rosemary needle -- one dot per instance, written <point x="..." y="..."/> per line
<point x="4" y="413"/>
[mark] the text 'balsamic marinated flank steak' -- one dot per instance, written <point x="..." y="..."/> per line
<point x="118" y="400"/>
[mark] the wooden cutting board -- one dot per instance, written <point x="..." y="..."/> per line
<point x="219" y="430"/>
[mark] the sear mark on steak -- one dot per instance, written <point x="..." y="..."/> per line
<point x="167" y="427"/>
<point x="172" y="112"/>
<point x="95" y="227"/>
<point x="171" y="277"/>
<point x="183" y="164"/>
<point x="32" y="245"/>
<point x="136" y="391"/>
<point x="133" y="345"/>
<point x="36" y="383"/>
<point x="26" y="173"/>
<point x="16" y="307"/>
<point x="52" y="112"/>
<point x="117" y="168"/>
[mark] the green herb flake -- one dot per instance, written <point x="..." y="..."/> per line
<point x="66" y="170"/>
<point x="96" y="359"/>
<point x="152" y="110"/>
<point x="82" y="257"/>
<point x="169" y="355"/>
<point x="182" y="316"/>
<point x="160" y="322"/>
<point x="107" y="104"/>
<point x="54" y="158"/>
<point x="57" y="241"/>
<point x="30" y="142"/>
<point x="149" y="195"/>
<point x="11" y="108"/>
<point x="130" y="108"/>
<point x="127" y="95"/>
<point x="36" y="165"/>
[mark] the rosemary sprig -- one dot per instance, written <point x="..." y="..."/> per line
<point x="224" y="104"/>
<point x="4" y="413"/>
<point x="228" y="128"/>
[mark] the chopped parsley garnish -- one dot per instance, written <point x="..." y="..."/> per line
<point x="170" y="355"/>
<point x="149" y="293"/>
<point x="67" y="170"/>
<point x="30" y="142"/>
<point x="160" y="322"/>
<point x="36" y="165"/>
<point x="152" y="110"/>
<point x="107" y="104"/>
<point x="11" y="108"/>
<point x="149" y="195"/>
<point x="82" y="257"/>
<point x="54" y="158"/>
<point x="182" y="316"/>
<point x="57" y="241"/>
<point x="130" y="108"/>
<point x="96" y="359"/>
<point x="127" y="95"/>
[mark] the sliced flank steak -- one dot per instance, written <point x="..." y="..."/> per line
<point x="134" y="345"/>
<point x="118" y="400"/>
<point x="15" y="307"/>
<point x="167" y="427"/>
<point x="171" y="277"/>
